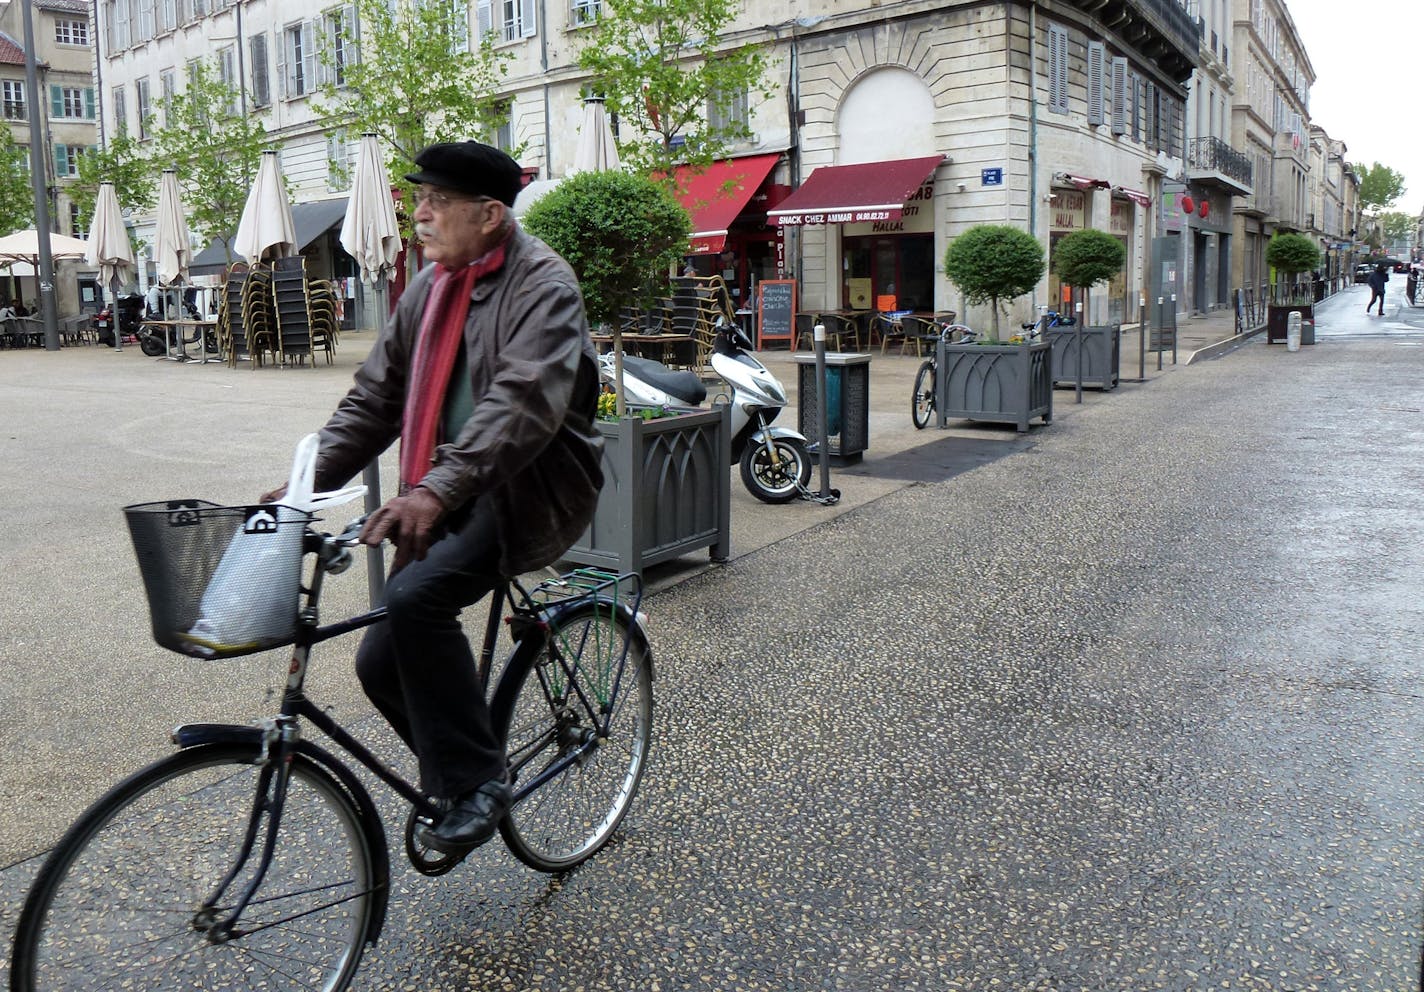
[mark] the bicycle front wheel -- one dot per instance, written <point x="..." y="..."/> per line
<point x="583" y="718"/>
<point x="922" y="403"/>
<point x="129" y="897"/>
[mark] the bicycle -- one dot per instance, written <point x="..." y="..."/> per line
<point x="922" y="400"/>
<point x="254" y="857"/>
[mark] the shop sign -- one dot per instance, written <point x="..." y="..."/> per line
<point x="1067" y="212"/>
<point x="1120" y="217"/>
<point x="916" y="217"/>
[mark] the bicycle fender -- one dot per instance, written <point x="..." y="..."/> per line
<point x="777" y="434"/>
<point x="197" y="734"/>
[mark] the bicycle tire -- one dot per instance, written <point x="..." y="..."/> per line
<point x="569" y="818"/>
<point x="922" y="403"/>
<point x="115" y="905"/>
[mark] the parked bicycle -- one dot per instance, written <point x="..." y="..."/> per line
<point x="256" y="858"/>
<point x="922" y="401"/>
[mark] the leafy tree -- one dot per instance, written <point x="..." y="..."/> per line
<point x="1087" y="257"/>
<point x="659" y="66"/>
<point x="17" y="196"/>
<point x="619" y="232"/>
<point x="993" y="262"/>
<point x="1380" y="187"/>
<point x="414" y="81"/>
<point x="1292" y="254"/>
<point x="124" y="163"/>
<point x="1395" y="227"/>
<point x="216" y="150"/>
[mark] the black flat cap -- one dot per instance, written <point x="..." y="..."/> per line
<point x="470" y="167"/>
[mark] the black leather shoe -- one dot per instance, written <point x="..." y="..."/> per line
<point x="472" y="820"/>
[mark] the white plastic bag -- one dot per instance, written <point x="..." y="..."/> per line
<point x="251" y="601"/>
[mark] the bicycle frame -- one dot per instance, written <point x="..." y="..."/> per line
<point x="279" y="739"/>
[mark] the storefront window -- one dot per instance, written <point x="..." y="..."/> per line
<point x="877" y="270"/>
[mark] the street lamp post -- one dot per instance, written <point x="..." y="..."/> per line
<point x="37" y="181"/>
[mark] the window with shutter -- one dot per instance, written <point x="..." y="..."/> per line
<point x="484" y="18"/>
<point x="1057" y="69"/>
<point x="1119" y="96"/>
<point x="141" y="104"/>
<point x="1097" y="56"/>
<point x="257" y="55"/>
<point x="14" y="99"/>
<point x="527" y="23"/>
<point x="121" y="111"/>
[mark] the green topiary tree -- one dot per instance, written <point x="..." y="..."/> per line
<point x="1292" y="254"/>
<point x="621" y="233"/>
<point x="1087" y="257"/>
<point x="993" y="262"/>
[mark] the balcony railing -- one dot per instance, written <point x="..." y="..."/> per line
<point x="1215" y="154"/>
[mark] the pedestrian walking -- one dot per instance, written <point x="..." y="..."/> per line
<point x="1377" y="279"/>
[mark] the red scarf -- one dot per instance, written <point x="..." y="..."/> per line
<point x="442" y="328"/>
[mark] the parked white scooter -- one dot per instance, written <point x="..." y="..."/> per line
<point x="775" y="463"/>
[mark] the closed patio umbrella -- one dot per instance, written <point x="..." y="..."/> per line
<point x="369" y="232"/>
<point x="596" y="151"/>
<point x="371" y="235"/>
<point x="173" y="252"/>
<point x="172" y="247"/>
<point x="110" y="250"/>
<point x="265" y="230"/>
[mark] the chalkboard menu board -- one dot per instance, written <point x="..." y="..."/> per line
<point x="776" y="310"/>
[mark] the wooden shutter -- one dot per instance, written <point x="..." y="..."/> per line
<point x="61" y="160"/>
<point x="484" y="19"/>
<point x="56" y="101"/>
<point x="1119" y="96"/>
<point x="284" y="86"/>
<point x="527" y="23"/>
<point x="1057" y="69"/>
<point x="1097" y="55"/>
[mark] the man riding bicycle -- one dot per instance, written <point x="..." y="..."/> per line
<point x="487" y="374"/>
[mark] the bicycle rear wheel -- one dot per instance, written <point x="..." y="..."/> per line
<point x="555" y="717"/>
<point x="120" y="902"/>
<point x="922" y="403"/>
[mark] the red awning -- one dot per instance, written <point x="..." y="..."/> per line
<point x="710" y="201"/>
<point x="1083" y="182"/>
<point x="842" y="194"/>
<point x="1135" y="195"/>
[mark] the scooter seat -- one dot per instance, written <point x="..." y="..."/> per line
<point x="683" y="385"/>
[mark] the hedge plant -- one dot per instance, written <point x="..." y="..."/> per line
<point x="993" y="262"/>
<point x="621" y="233"/>
<point x="1292" y="254"/>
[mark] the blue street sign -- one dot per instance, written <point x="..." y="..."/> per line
<point x="991" y="177"/>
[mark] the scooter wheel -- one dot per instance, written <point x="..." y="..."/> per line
<point x="152" y="346"/>
<point x="778" y="480"/>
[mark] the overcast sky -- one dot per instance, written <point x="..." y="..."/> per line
<point x="1369" y="81"/>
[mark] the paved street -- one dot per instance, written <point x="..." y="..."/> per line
<point x="1130" y="702"/>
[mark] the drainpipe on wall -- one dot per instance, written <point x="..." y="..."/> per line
<point x="544" y="71"/>
<point x="1033" y="131"/>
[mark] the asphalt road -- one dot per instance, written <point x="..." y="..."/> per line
<point x="1132" y="704"/>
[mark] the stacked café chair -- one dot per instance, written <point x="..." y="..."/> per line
<point x="258" y="316"/>
<point x="325" y="324"/>
<point x="293" y="309"/>
<point x="232" y="330"/>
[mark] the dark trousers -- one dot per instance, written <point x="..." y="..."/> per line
<point x="1376" y="294"/>
<point x="417" y="666"/>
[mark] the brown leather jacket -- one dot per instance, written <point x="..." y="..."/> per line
<point x="530" y="444"/>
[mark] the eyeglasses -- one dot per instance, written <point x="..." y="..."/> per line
<point x="439" y="200"/>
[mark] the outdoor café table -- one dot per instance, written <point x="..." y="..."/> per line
<point x="28" y="331"/>
<point x="174" y="341"/>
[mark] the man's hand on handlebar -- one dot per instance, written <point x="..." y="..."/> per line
<point x="409" y="522"/>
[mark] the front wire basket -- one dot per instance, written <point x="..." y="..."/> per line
<point x="221" y="580"/>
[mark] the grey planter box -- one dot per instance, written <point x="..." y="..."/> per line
<point x="1278" y="317"/>
<point x="1101" y="354"/>
<point x="667" y="490"/>
<point x="999" y="383"/>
